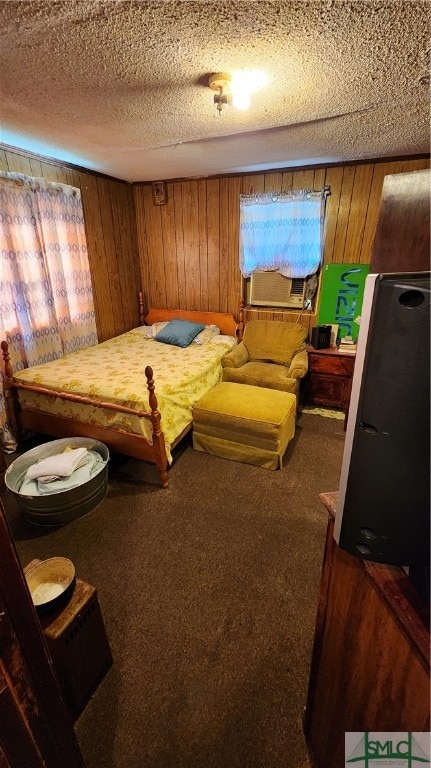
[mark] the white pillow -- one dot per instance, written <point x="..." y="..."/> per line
<point x="149" y="331"/>
<point x="207" y="334"/>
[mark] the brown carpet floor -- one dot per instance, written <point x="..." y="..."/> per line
<point x="209" y="595"/>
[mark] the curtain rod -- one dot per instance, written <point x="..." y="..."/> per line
<point x="324" y="192"/>
<point x="34" y="182"/>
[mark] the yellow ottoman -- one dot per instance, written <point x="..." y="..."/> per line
<point x="245" y="423"/>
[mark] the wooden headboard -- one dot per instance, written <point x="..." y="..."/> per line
<point x="223" y="320"/>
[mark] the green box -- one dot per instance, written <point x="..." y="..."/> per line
<point x="341" y="297"/>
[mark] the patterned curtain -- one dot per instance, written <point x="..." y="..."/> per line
<point x="46" y="297"/>
<point x="282" y="232"/>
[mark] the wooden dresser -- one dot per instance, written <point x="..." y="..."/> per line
<point x="370" y="664"/>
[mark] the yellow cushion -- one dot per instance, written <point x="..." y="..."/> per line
<point x="245" y="423"/>
<point x="274" y="340"/>
<point x="258" y="374"/>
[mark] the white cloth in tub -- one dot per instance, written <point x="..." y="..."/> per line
<point x="58" y="465"/>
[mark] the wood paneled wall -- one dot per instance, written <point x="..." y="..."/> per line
<point x="111" y="239"/>
<point x="185" y="254"/>
<point x="188" y="248"/>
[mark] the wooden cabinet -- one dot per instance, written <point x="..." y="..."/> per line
<point x="402" y="240"/>
<point x="370" y="664"/>
<point x="329" y="379"/>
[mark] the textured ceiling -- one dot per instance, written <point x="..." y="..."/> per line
<point x="120" y="86"/>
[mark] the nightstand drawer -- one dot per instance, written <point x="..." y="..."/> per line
<point x="337" y="365"/>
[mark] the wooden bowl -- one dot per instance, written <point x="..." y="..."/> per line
<point x="51" y="583"/>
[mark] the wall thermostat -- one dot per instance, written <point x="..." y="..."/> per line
<point x="159" y="193"/>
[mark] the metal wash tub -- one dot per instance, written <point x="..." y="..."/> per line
<point x="65" y="506"/>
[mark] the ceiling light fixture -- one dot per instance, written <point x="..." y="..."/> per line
<point x="220" y="82"/>
<point x="236" y="89"/>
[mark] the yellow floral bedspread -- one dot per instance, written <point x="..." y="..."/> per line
<point x="113" y="371"/>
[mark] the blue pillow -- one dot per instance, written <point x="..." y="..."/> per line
<point x="180" y="333"/>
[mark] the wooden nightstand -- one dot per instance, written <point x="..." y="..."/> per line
<point x="329" y="379"/>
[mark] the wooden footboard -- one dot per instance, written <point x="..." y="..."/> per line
<point x="119" y="440"/>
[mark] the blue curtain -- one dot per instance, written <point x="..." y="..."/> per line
<point x="282" y="232"/>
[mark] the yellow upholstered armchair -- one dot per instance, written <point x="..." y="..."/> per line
<point x="272" y="354"/>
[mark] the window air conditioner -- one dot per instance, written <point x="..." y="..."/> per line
<point x="274" y="290"/>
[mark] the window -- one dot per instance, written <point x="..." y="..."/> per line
<point x="282" y="232"/>
<point x="46" y="308"/>
<point x="46" y="298"/>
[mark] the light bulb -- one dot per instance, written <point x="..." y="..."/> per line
<point x="243" y="84"/>
<point x="241" y="100"/>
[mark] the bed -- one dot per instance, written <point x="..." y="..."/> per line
<point x="101" y="392"/>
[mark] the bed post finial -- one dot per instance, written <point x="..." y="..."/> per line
<point x="6" y="357"/>
<point x="240" y="325"/>
<point x="141" y="308"/>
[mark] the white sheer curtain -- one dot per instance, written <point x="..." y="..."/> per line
<point x="282" y="232"/>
